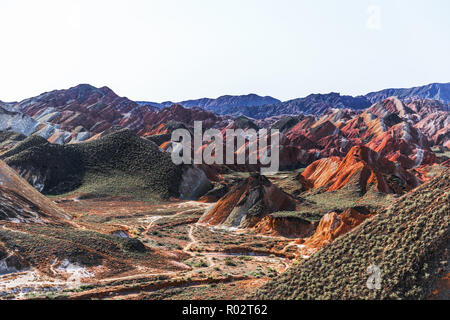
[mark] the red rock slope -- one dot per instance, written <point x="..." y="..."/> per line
<point x="361" y="169"/>
<point x="333" y="225"/>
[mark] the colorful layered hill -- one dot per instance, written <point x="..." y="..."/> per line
<point x="247" y="203"/>
<point x="408" y="242"/>
<point x="362" y="169"/>
<point x="179" y="114"/>
<point x="85" y="112"/>
<point x="401" y="141"/>
<point x="71" y="115"/>
<point x="332" y="226"/>
<point x="402" y="133"/>
<point x="433" y="120"/>
<point x="93" y="109"/>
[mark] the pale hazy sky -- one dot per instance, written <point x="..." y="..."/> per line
<point x="180" y="49"/>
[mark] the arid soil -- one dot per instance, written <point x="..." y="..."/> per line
<point x="201" y="261"/>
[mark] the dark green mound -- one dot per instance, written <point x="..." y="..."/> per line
<point x="24" y="144"/>
<point x="409" y="242"/>
<point x="285" y="124"/>
<point x="242" y="122"/>
<point x="9" y="139"/>
<point x="173" y="125"/>
<point x="11" y="136"/>
<point x="120" y="163"/>
<point x="159" y="139"/>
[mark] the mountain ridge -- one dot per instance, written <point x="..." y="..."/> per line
<point x="441" y="93"/>
<point x="316" y="103"/>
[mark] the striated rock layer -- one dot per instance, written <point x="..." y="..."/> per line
<point x="362" y="169"/>
<point x="246" y="204"/>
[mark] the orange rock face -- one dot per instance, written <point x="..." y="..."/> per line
<point x="333" y="225"/>
<point x="285" y="226"/>
<point x="361" y="167"/>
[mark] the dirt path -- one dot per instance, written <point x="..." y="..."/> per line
<point x="196" y="206"/>
<point x="213" y="259"/>
<point x="192" y="239"/>
<point x="292" y="244"/>
<point x="210" y="256"/>
<point x="152" y="221"/>
<point x="139" y="276"/>
<point x="13" y="230"/>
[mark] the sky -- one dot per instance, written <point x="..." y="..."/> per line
<point x="159" y="50"/>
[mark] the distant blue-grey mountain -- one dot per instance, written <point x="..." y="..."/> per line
<point x="259" y="107"/>
<point x="434" y="91"/>
<point x="312" y="104"/>
<point x="319" y="103"/>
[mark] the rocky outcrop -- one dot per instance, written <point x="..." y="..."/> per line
<point x="174" y="117"/>
<point x="10" y="262"/>
<point x="404" y="144"/>
<point x="218" y="191"/>
<point x="246" y="204"/>
<point x="286" y="226"/>
<point x="436" y="126"/>
<point x="391" y="105"/>
<point x="194" y="183"/>
<point x="333" y="225"/>
<point x="17" y="122"/>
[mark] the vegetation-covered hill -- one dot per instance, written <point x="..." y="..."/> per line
<point x="9" y="139"/>
<point x="120" y="163"/>
<point x="409" y="242"/>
